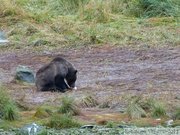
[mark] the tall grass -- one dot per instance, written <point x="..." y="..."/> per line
<point x="177" y="113"/>
<point x="8" y="109"/>
<point x="159" y="110"/>
<point x="151" y="8"/>
<point x="74" y="23"/>
<point x="134" y="108"/>
<point x="100" y="10"/>
<point x="69" y="105"/>
<point x="65" y="7"/>
<point x="140" y="106"/>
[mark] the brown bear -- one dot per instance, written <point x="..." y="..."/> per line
<point x="58" y="75"/>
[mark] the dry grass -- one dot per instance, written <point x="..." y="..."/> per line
<point x="89" y="101"/>
<point x="96" y="22"/>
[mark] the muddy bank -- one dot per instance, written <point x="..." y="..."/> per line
<point x="105" y="71"/>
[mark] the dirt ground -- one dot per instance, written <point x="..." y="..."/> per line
<point x="106" y="72"/>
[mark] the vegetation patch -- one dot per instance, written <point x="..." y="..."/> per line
<point x="89" y="101"/>
<point x="69" y="105"/>
<point x="140" y="106"/>
<point x="159" y="110"/>
<point x="176" y="115"/>
<point x="43" y="112"/>
<point x="63" y="121"/>
<point x="134" y="109"/>
<point x="9" y="110"/>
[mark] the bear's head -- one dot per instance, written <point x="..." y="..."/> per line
<point x="71" y="78"/>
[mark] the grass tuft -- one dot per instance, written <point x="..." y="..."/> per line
<point x="89" y="101"/>
<point x="42" y="112"/>
<point x="69" y="105"/>
<point x="9" y="110"/>
<point x="63" y="121"/>
<point x="140" y="106"/>
<point x="134" y="109"/>
<point x="177" y="113"/>
<point x="158" y="110"/>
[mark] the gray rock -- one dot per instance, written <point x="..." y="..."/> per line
<point x="122" y="110"/>
<point x="31" y="129"/>
<point x="169" y="122"/>
<point x="177" y="97"/>
<point x="24" y="74"/>
<point x="88" y="126"/>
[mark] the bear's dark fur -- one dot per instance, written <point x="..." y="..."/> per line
<point x="58" y="75"/>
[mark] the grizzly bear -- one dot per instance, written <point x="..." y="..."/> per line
<point x="58" y="75"/>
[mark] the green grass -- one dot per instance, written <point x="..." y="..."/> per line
<point x="89" y="101"/>
<point x="159" y="110"/>
<point x="89" y="23"/>
<point x="140" y="106"/>
<point x="63" y="121"/>
<point x="9" y="110"/>
<point x="43" y="112"/>
<point x="134" y="108"/>
<point x="69" y="105"/>
<point x="176" y="115"/>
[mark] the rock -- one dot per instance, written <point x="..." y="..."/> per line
<point x="123" y="126"/>
<point x="88" y="126"/>
<point x="31" y="129"/>
<point x="169" y="122"/>
<point x="177" y="97"/>
<point x="24" y="74"/>
<point x="122" y="110"/>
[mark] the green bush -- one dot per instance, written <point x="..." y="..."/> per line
<point x="63" y="121"/>
<point x="8" y="109"/>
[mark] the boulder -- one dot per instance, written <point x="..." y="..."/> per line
<point x="24" y="74"/>
<point x="31" y="129"/>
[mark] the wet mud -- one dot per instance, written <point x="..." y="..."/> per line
<point x="104" y="71"/>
